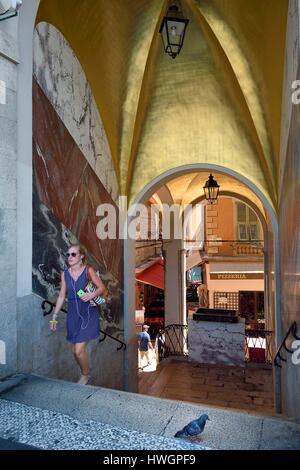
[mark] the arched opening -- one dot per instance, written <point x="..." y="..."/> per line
<point x="256" y="202"/>
<point x="27" y="19"/>
<point x="264" y="105"/>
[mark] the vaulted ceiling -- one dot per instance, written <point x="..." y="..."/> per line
<point x="186" y="189"/>
<point x="218" y="102"/>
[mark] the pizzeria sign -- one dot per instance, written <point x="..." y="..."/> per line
<point x="240" y="276"/>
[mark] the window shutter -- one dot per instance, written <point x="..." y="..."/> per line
<point x="242" y="232"/>
<point x="247" y="223"/>
<point x="241" y="212"/>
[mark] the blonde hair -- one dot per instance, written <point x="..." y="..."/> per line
<point x="81" y="250"/>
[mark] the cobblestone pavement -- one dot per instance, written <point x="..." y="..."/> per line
<point x="49" y="430"/>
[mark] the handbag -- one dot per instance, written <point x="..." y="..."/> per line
<point x="90" y="287"/>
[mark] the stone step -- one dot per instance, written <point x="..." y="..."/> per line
<point x="48" y="430"/>
<point x="130" y="412"/>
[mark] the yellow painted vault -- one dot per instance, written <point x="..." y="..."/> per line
<point x="218" y="102"/>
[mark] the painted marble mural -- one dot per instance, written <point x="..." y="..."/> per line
<point x="59" y="74"/>
<point x="73" y="175"/>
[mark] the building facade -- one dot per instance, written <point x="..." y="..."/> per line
<point x="234" y="261"/>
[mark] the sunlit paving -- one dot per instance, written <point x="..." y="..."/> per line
<point x="249" y="389"/>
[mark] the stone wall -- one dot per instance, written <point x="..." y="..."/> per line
<point x="8" y="202"/>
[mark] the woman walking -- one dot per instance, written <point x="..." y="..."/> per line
<point x="83" y="316"/>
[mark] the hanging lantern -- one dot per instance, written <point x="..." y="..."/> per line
<point x="211" y="190"/>
<point x="172" y="30"/>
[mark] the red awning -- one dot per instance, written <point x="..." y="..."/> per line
<point x="154" y="275"/>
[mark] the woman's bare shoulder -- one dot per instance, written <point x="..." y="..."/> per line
<point x="90" y="270"/>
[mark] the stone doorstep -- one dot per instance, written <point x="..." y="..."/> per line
<point x="49" y="430"/>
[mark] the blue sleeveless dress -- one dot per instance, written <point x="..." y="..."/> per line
<point x="82" y="319"/>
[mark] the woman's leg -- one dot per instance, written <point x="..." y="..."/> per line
<point x="73" y="351"/>
<point x="81" y="357"/>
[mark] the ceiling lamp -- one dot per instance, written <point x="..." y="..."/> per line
<point x="172" y="30"/>
<point x="211" y="190"/>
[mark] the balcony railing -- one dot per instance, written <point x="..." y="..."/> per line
<point x="172" y="341"/>
<point x="247" y="249"/>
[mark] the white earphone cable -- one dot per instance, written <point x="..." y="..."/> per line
<point x="77" y="307"/>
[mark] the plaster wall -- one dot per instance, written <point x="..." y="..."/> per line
<point x="8" y="198"/>
<point x="289" y="216"/>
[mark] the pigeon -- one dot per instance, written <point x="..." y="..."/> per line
<point x="193" y="428"/>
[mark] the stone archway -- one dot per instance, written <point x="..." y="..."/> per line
<point x="129" y="267"/>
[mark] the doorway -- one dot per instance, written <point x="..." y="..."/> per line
<point x="251" y="306"/>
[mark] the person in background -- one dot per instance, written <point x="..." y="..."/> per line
<point x="144" y="342"/>
<point x="203" y="296"/>
<point x="83" y="317"/>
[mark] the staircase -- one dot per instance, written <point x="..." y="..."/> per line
<point x="54" y="414"/>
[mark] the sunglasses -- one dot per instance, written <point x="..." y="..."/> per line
<point x="71" y="254"/>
